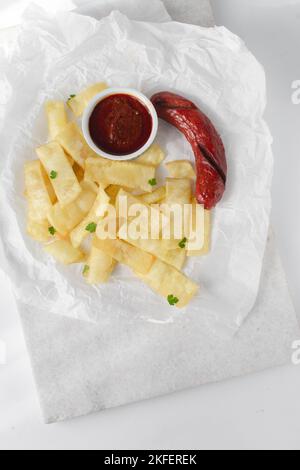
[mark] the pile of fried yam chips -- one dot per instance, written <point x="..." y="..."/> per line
<point x="67" y="187"/>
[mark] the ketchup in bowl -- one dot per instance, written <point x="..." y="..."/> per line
<point x="120" y="125"/>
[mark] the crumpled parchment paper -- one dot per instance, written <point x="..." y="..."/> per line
<point x="57" y="56"/>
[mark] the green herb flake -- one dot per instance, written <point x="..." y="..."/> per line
<point x="53" y="175"/>
<point x="172" y="300"/>
<point x="52" y="231"/>
<point x="92" y="227"/>
<point x="85" y="270"/>
<point x="71" y="97"/>
<point x="183" y="243"/>
<point x="152" y="182"/>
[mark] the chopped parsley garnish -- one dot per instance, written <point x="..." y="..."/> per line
<point x="152" y="182"/>
<point x="92" y="227"/>
<point x="71" y="97"/>
<point x="85" y="270"/>
<point x="172" y="300"/>
<point x="53" y="175"/>
<point x="183" y="243"/>
<point x="52" y="231"/>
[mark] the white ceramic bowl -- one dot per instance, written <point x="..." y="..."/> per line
<point x="115" y="91"/>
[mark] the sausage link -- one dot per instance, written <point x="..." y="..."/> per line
<point x="211" y="165"/>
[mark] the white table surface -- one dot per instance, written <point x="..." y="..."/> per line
<point x="256" y="412"/>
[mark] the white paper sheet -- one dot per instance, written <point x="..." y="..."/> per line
<point x="155" y="11"/>
<point x="56" y="57"/>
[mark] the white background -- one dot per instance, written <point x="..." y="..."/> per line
<point x="257" y="412"/>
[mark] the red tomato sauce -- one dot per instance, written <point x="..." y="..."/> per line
<point x="120" y="125"/>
